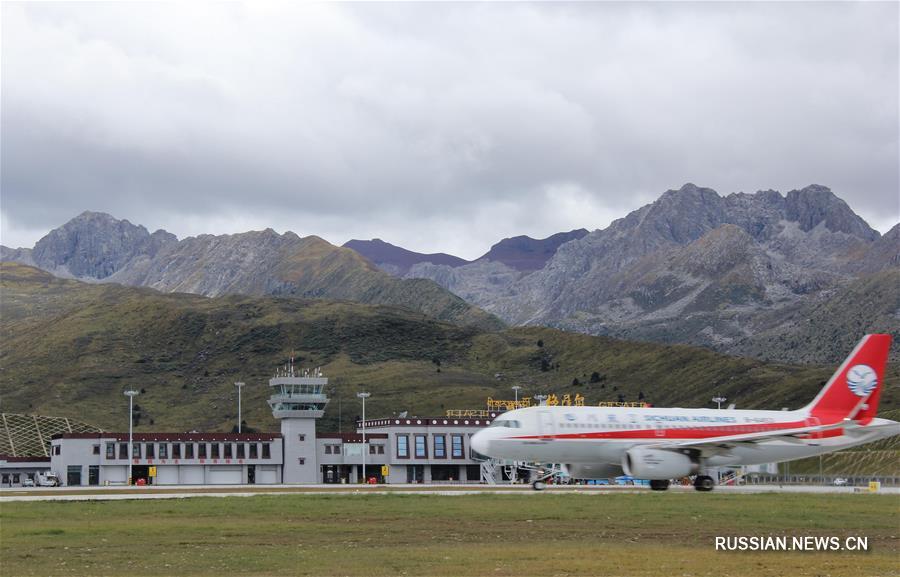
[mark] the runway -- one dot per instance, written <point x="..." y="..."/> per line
<point x="187" y="491"/>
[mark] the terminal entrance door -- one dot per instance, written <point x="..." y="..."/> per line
<point x="251" y="474"/>
<point x="141" y="472"/>
<point x="415" y="473"/>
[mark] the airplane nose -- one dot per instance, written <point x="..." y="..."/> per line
<point x="480" y="442"/>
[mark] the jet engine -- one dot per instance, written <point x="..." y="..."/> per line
<point x="592" y="470"/>
<point x="644" y="463"/>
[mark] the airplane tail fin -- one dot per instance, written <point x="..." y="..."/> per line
<point x="854" y="390"/>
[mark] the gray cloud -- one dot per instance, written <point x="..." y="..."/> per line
<point x="436" y="126"/>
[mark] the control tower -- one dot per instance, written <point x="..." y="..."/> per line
<point x="298" y="399"/>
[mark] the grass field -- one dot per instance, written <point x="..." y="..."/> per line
<point x="530" y="534"/>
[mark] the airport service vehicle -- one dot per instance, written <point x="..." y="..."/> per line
<point x="660" y="444"/>
<point x="28" y="482"/>
<point x="47" y="480"/>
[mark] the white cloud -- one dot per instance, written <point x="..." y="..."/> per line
<point x="440" y="127"/>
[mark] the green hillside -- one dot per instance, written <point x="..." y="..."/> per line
<point x="70" y="349"/>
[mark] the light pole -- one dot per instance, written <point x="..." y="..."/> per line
<point x="239" y="385"/>
<point x="364" y="396"/>
<point x="131" y="394"/>
<point x="718" y="400"/>
<point x="540" y="399"/>
<point x="516" y="389"/>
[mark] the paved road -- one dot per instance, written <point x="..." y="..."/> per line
<point x="185" y="491"/>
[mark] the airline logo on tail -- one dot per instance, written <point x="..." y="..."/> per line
<point x="862" y="380"/>
<point x="854" y="390"/>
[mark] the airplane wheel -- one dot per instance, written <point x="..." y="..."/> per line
<point x="704" y="483"/>
<point x="539" y="485"/>
<point x="659" y="484"/>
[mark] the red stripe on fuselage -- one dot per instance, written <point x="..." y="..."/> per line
<point x="686" y="433"/>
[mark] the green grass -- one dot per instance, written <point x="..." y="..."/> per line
<point x="372" y="535"/>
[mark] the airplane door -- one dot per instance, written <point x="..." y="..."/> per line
<point x="548" y="428"/>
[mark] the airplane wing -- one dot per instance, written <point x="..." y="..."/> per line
<point x="714" y="444"/>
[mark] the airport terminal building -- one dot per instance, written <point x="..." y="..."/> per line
<point x="395" y="450"/>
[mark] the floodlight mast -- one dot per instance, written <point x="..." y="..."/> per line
<point x="364" y="396"/>
<point x="718" y="400"/>
<point x="516" y="389"/>
<point x="239" y="385"/>
<point x="131" y="394"/>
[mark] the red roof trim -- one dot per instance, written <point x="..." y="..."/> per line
<point x="11" y="459"/>
<point x="175" y="437"/>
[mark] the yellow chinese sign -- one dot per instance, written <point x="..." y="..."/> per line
<point x="152" y="472"/>
<point x="385" y="470"/>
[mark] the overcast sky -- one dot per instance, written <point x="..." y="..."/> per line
<point x="439" y="127"/>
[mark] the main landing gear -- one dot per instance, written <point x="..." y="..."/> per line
<point x="539" y="485"/>
<point x="704" y="483"/>
<point x="659" y="484"/>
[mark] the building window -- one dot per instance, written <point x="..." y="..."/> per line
<point x="267" y="451"/>
<point x="214" y="450"/>
<point x="372" y="450"/>
<point x="164" y="450"/>
<point x="136" y="451"/>
<point x="456" y="446"/>
<point x="301" y="461"/>
<point x="421" y="447"/>
<point x="189" y="451"/>
<point x="301" y="437"/>
<point x="440" y="447"/>
<point x="380" y="449"/>
<point x="123" y="450"/>
<point x="15" y="478"/>
<point x="176" y="450"/>
<point x="110" y="450"/>
<point x="403" y="446"/>
<point x="228" y="450"/>
<point x="254" y="451"/>
<point x="241" y="451"/>
<point x="56" y="450"/>
<point x="201" y="450"/>
<point x="149" y="451"/>
<point x="96" y="449"/>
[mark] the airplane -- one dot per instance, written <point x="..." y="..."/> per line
<point x="660" y="444"/>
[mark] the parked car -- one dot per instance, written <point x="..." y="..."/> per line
<point x="28" y="482"/>
<point x="840" y="482"/>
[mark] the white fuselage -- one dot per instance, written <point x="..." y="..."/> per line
<point x="601" y="435"/>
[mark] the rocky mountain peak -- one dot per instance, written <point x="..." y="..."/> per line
<point x="816" y="204"/>
<point x="684" y="215"/>
<point x="96" y="245"/>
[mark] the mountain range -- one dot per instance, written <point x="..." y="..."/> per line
<point x="68" y="343"/>
<point x="744" y="273"/>
<point x="793" y="278"/>
<point x="96" y="247"/>
<point x="520" y="253"/>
